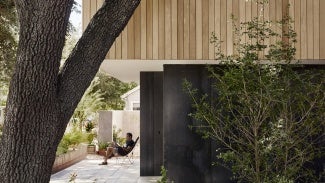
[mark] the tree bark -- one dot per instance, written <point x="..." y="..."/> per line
<point x="41" y="98"/>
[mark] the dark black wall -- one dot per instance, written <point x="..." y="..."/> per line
<point x="187" y="157"/>
<point x="151" y="123"/>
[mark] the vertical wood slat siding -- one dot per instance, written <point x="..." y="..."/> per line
<point x="266" y="17"/>
<point x="316" y="28"/>
<point x="236" y="12"/>
<point x="168" y="30"/>
<point x="137" y="33"/>
<point x="143" y="29"/>
<point x="297" y="28"/>
<point x="149" y="29"/>
<point x="205" y="30"/>
<point x="242" y="16"/>
<point x="130" y="38"/>
<point x="211" y="27"/>
<point x="248" y="15"/>
<point x="310" y="31"/>
<point x="174" y="35"/>
<point x="217" y="19"/>
<point x="181" y="29"/>
<point x="156" y="29"/>
<point x="303" y="29"/>
<point x="229" y="29"/>
<point x="161" y="29"/>
<point x="186" y="29"/>
<point x="260" y="13"/>
<point x="223" y="26"/>
<point x="192" y="30"/>
<point x="322" y="25"/>
<point x="278" y="17"/>
<point x="86" y="15"/>
<point x="199" y="32"/>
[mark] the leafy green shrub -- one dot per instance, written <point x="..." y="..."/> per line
<point x="267" y="117"/>
<point x="103" y="145"/>
<point x="89" y="126"/>
<point x="90" y="137"/>
<point x="71" y="140"/>
<point x="164" y="178"/>
<point x="63" y="147"/>
<point x="116" y="136"/>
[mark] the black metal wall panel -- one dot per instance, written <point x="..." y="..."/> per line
<point x="151" y="123"/>
<point x="187" y="157"/>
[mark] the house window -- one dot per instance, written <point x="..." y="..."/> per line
<point x="136" y="106"/>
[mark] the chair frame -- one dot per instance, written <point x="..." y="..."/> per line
<point x="129" y="156"/>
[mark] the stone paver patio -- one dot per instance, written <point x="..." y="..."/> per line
<point x="88" y="171"/>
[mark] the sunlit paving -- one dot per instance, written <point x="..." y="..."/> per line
<point x="116" y="171"/>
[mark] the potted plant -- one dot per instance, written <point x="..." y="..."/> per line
<point x="102" y="147"/>
<point x="92" y="142"/>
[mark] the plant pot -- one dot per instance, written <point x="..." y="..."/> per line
<point x="102" y="152"/>
<point x="91" y="149"/>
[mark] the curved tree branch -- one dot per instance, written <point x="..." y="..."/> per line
<point x="90" y="51"/>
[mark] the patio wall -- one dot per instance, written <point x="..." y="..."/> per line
<point x="65" y="160"/>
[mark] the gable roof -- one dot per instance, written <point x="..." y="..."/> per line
<point x="130" y="92"/>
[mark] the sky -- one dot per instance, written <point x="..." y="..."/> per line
<point x="75" y="18"/>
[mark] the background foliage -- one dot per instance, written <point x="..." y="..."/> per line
<point x="8" y="45"/>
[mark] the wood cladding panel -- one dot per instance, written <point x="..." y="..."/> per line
<point x="266" y="17"/>
<point x="192" y="29"/>
<point x="181" y="29"/>
<point x="205" y="30"/>
<point x="143" y="41"/>
<point x="322" y="25"/>
<point x="223" y="26"/>
<point x="149" y="32"/>
<point x="316" y="27"/>
<point x="137" y="33"/>
<point x="199" y="32"/>
<point x="186" y="29"/>
<point x="168" y="30"/>
<point x="297" y="28"/>
<point x="174" y="33"/>
<point x="217" y="22"/>
<point x="211" y="27"/>
<point x="157" y="30"/>
<point x="303" y="29"/>
<point x="229" y="29"/>
<point x="161" y="29"/>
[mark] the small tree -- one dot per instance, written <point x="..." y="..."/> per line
<point x="268" y="117"/>
<point x="103" y="94"/>
<point x="112" y="89"/>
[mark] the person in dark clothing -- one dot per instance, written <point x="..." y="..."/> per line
<point x="117" y="150"/>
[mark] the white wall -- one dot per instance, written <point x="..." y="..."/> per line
<point x="127" y="121"/>
<point x="105" y="129"/>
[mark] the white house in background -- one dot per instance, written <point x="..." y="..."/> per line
<point x="132" y="99"/>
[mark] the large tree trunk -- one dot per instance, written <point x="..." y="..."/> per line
<point x="42" y="98"/>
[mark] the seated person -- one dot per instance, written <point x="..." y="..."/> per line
<point x="117" y="150"/>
